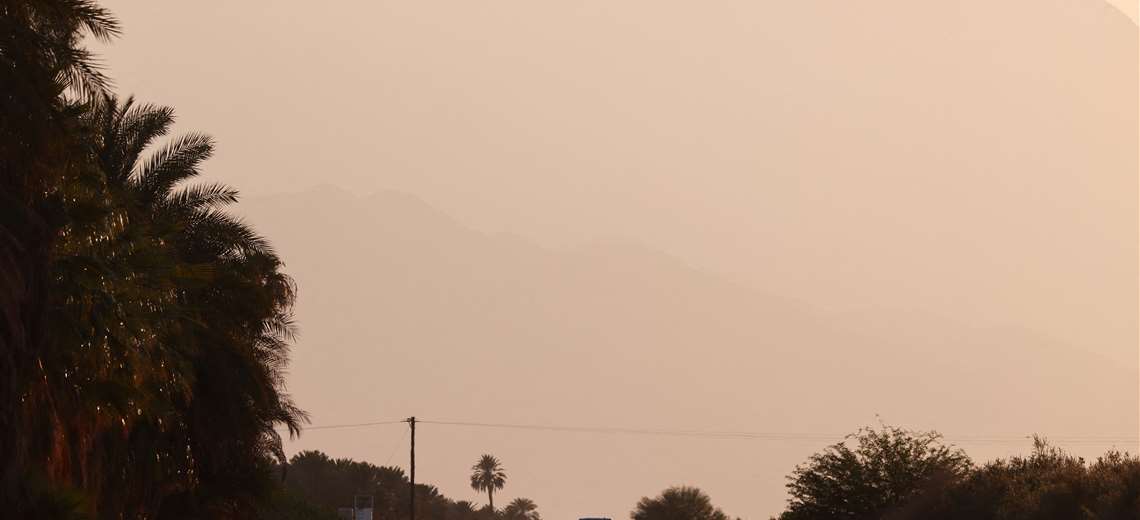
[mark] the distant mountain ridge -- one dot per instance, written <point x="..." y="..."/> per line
<point x="394" y="293"/>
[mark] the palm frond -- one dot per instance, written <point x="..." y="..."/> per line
<point x="225" y="234"/>
<point x="79" y="71"/>
<point x="173" y="163"/>
<point x="139" y="126"/>
<point x="203" y="197"/>
<point x="96" y="19"/>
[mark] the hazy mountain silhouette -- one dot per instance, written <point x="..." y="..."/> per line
<point x="417" y="314"/>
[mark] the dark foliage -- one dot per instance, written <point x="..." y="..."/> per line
<point x="1047" y="484"/>
<point x="872" y="474"/>
<point x="143" y="331"/>
<point x="521" y="509"/>
<point x="41" y="160"/>
<point x="678" y="503"/>
<point x="488" y="475"/>
<point x="893" y="474"/>
<point x="331" y="483"/>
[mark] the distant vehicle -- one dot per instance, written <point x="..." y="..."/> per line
<point x="362" y="507"/>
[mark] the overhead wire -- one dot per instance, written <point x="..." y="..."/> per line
<point x="356" y="425"/>
<point x="1094" y="440"/>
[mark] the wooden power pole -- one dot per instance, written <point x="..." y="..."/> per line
<point x="412" y="472"/>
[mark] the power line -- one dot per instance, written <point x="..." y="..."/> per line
<point x="1092" y="440"/>
<point x="356" y="425"/>
<point x="644" y="431"/>
<point x="776" y="436"/>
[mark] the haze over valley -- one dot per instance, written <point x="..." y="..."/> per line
<point x="794" y="218"/>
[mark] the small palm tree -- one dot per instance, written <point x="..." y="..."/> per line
<point x="488" y="475"/>
<point x="521" y="509"/>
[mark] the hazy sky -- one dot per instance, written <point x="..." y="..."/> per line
<point x="1129" y="7"/>
<point x="777" y="217"/>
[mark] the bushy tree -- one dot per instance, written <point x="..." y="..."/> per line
<point x="874" y="473"/>
<point x="678" y="503"/>
<point x="1047" y="484"/>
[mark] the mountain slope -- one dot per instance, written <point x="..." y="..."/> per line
<point x="406" y="312"/>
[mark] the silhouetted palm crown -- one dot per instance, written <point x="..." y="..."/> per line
<point x="521" y="509"/>
<point x="488" y="475"/>
<point x="678" y="503"/>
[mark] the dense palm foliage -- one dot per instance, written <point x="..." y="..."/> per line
<point x="521" y="509"/>
<point x="678" y="503"/>
<point x="144" y="331"/>
<point x="488" y="475"/>
<point x="43" y="166"/>
<point x="331" y="483"/>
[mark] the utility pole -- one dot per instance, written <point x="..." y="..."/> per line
<point x="412" y="473"/>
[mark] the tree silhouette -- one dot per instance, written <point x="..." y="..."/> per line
<point x="678" y="503"/>
<point x="886" y="470"/>
<point x="1048" y="483"/>
<point x="328" y="483"/>
<point x="160" y="378"/>
<point x="521" y="509"/>
<point x="209" y="294"/>
<point x="42" y="58"/>
<point x="488" y="475"/>
<point x="464" y="510"/>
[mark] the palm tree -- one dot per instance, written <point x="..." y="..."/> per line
<point x="193" y="313"/>
<point x="42" y="58"/>
<point x="488" y="475"/>
<point x="521" y="509"/>
<point x="143" y="331"/>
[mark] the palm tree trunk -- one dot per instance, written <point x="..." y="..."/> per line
<point x="25" y="241"/>
<point x="491" y="498"/>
